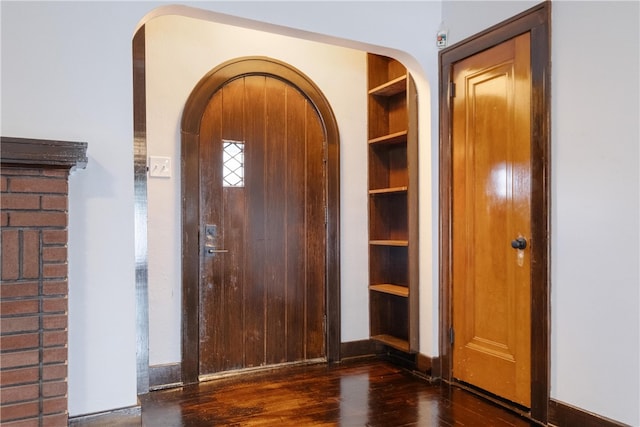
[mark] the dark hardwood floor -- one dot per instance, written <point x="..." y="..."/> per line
<point x="370" y="393"/>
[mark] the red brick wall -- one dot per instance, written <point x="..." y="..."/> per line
<point x="33" y="297"/>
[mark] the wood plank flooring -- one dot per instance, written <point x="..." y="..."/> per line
<point x="371" y="393"/>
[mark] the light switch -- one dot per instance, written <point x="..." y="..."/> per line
<point x="159" y="167"/>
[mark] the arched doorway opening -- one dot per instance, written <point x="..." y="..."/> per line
<point x="159" y="320"/>
<point x="245" y="306"/>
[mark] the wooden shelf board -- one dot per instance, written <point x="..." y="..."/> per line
<point x="388" y="288"/>
<point x="389" y="190"/>
<point x="398" y="343"/>
<point x="389" y="242"/>
<point x="392" y="138"/>
<point x="390" y="88"/>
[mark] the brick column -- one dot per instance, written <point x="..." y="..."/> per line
<point x="33" y="286"/>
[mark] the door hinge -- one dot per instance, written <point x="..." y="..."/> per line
<point x="452" y="336"/>
<point x="452" y="90"/>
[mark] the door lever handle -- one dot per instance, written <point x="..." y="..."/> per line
<point x="211" y="233"/>
<point x="217" y="251"/>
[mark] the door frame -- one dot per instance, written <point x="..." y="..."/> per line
<point x="536" y="21"/>
<point x="190" y="142"/>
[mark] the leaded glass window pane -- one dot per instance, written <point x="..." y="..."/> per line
<point x="232" y="163"/>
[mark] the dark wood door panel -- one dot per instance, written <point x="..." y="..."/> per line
<point x="276" y="199"/>
<point x="262" y="301"/>
<point x="321" y="310"/>
<point x="316" y="237"/>
<point x="254" y="126"/>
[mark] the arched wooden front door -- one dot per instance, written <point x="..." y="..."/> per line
<point x="257" y="215"/>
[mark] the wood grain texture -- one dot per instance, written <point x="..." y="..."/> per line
<point x="266" y="308"/>
<point x="393" y="204"/>
<point x="316" y="254"/>
<point x="350" y="394"/>
<point x="255" y="158"/>
<point x="491" y="206"/>
<point x="328" y="301"/>
<point x="537" y="21"/>
<point x="43" y="152"/>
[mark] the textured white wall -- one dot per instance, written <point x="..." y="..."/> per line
<point x="596" y="207"/>
<point x="337" y="77"/>
<point x="466" y="18"/>
<point x="66" y="74"/>
<point x="181" y="50"/>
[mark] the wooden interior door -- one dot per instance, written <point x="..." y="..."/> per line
<point x="491" y="220"/>
<point x="262" y="227"/>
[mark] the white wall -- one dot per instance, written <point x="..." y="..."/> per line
<point x="181" y="51"/>
<point x="66" y="74"/>
<point x="329" y="74"/>
<point x="466" y="18"/>
<point x="596" y="188"/>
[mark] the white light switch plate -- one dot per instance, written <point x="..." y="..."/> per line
<point x="159" y="167"/>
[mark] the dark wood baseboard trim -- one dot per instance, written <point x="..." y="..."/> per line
<point x="400" y="358"/>
<point x="496" y="400"/>
<point x="130" y="412"/>
<point x="165" y="376"/>
<point x="360" y="349"/>
<point x="561" y="414"/>
<point x="417" y="362"/>
<point x="170" y="374"/>
<point x="429" y="366"/>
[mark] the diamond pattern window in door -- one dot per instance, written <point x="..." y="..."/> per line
<point x="232" y="163"/>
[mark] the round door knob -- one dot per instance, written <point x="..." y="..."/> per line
<point x="519" y="243"/>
